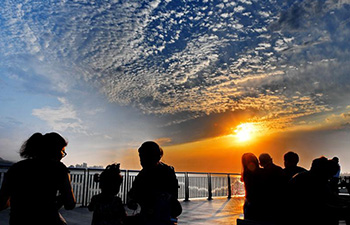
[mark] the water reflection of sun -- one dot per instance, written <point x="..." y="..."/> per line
<point x="245" y="132"/>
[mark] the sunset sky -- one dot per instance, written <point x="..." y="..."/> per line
<point x="208" y="80"/>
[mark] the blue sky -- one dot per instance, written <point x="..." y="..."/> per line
<point x="109" y="75"/>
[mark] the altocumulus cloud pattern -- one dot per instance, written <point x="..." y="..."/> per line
<point x="284" y="59"/>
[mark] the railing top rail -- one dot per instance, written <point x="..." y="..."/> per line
<point x="122" y="170"/>
<point x="82" y="169"/>
<point x="97" y="169"/>
<point x="190" y="172"/>
<point x="215" y="173"/>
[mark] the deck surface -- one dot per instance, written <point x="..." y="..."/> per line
<point x="220" y="211"/>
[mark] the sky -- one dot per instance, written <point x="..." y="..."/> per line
<point x="208" y="80"/>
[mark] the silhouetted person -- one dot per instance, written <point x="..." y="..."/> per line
<point x="107" y="206"/>
<point x="31" y="186"/>
<point x="274" y="185"/>
<point x="291" y="167"/>
<point x="334" y="181"/>
<point x="155" y="188"/>
<point x="311" y="199"/>
<point x="252" y="178"/>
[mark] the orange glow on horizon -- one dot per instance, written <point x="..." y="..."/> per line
<point x="219" y="154"/>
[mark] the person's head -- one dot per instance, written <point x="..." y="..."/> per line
<point x="31" y="148"/>
<point x="249" y="162"/>
<point x="291" y="159"/>
<point x="150" y="154"/>
<point x="110" y="179"/>
<point x="324" y="168"/>
<point x="335" y="159"/>
<point x="48" y="146"/>
<point x="265" y="159"/>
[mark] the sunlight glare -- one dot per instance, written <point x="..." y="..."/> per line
<point x="245" y="131"/>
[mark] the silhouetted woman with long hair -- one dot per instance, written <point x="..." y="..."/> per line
<point x="252" y="178"/>
<point x="36" y="187"/>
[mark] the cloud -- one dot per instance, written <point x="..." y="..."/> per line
<point x="345" y="126"/>
<point x="163" y="141"/>
<point x="208" y="126"/>
<point x="303" y="14"/>
<point x="63" y="118"/>
<point x="345" y="115"/>
<point x="185" y="61"/>
<point x="96" y="111"/>
<point x="9" y="125"/>
<point x="33" y="76"/>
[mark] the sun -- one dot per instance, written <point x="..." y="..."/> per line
<point x="245" y="132"/>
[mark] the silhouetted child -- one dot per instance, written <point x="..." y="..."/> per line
<point x="107" y="206"/>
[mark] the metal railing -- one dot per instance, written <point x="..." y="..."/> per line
<point x="191" y="184"/>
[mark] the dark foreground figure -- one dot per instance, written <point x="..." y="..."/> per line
<point x="30" y="190"/>
<point x="155" y="189"/>
<point x="307" y="198"/>
<point x="311" y="199"/>
<point x="252" y="178"/>
<point x="107" y="206"/>
<point x="291" y="167"/>
<point x="273" y="185"/>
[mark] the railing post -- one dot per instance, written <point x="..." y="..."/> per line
<point x="187" y="188"/>
<point x="229" y="192"/>
<point x="126" y="187"/>
<point x="2" y="176"/>
<point x="210" y="195"/>
<point x="84" y="203"/>
<point x="87" y="186"/>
